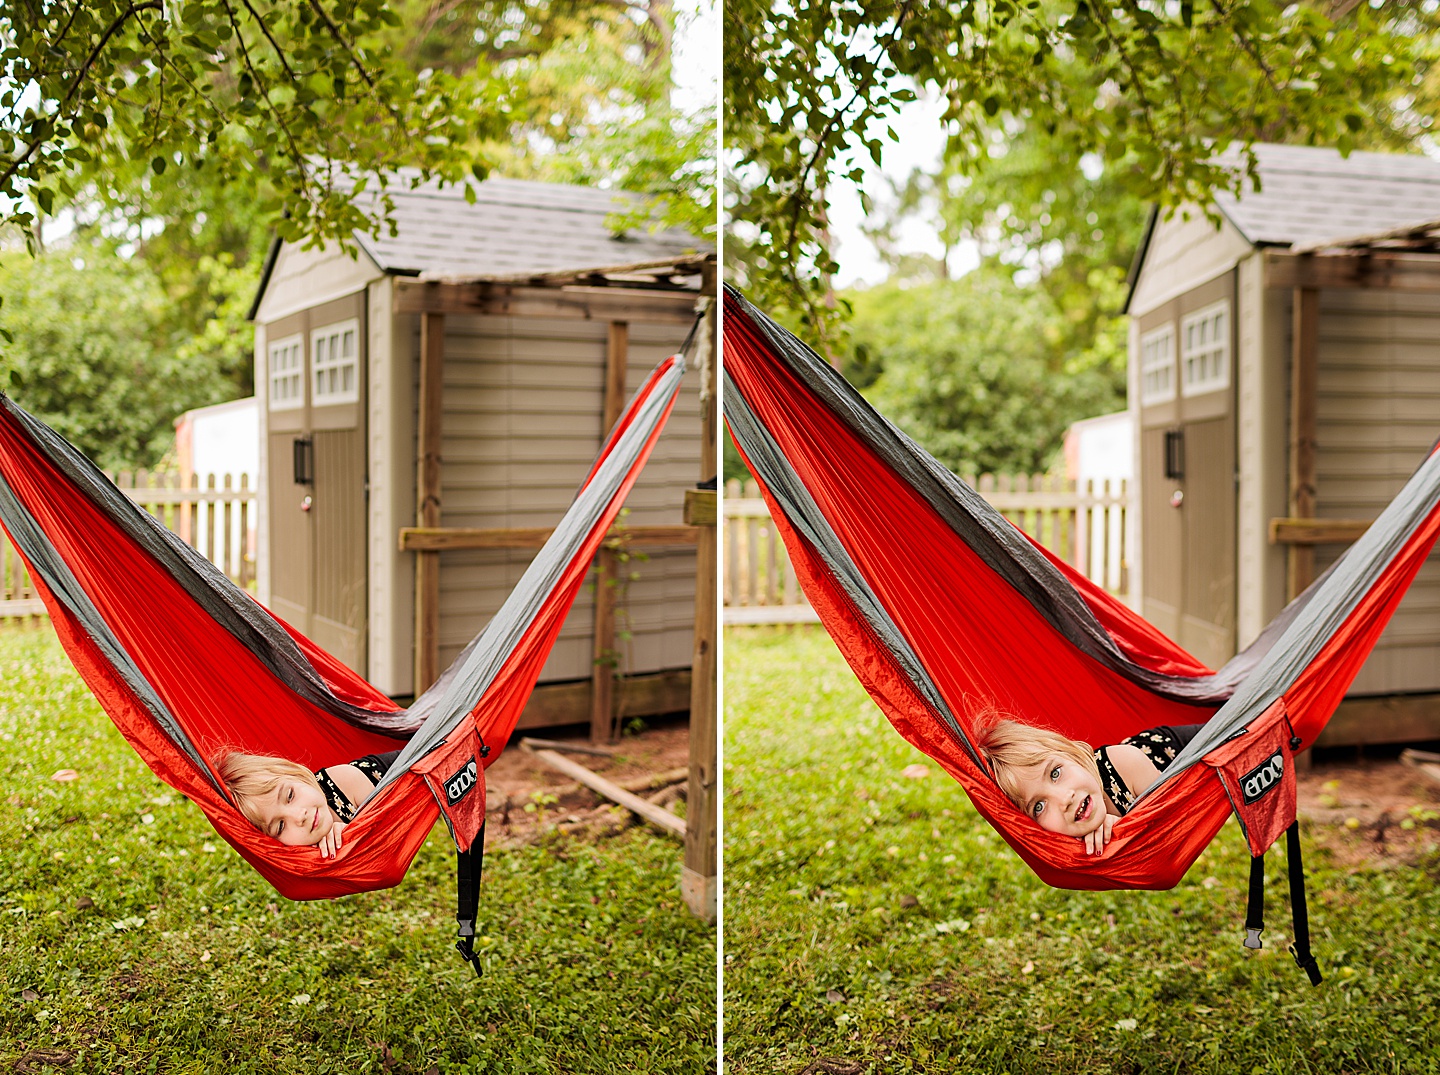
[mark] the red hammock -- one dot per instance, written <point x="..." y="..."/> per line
<point x="226" y="677"/>
<point x="942" y="608"/>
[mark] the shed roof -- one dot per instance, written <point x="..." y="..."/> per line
<point x="1310" y="193"/>
<point x="1311" y="197"/>
<point x="514" y="226"/>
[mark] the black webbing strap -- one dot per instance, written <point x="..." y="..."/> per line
<point x="1255" y="906"/>
<point x="468" y="866"/>
<point x="1300" y="948"/>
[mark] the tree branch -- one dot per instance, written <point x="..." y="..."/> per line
<point x="79" y="80"/>
<point x="265" y="29"/>
<point x="822" y="140"/>
<point x="264" y="90"/>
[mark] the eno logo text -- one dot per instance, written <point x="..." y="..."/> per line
<point x="1263" y="777"/>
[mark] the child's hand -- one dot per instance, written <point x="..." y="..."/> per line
<point x="330" y="843"/>
<point x="1095" y="841"/>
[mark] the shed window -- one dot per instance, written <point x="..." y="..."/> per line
<point x="1205" y="350"/>
<point x="1157" y="366"/>
<point x="336" y="363"/>
<point x="287" y="365"/>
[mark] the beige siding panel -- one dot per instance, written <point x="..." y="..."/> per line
<point x="1208" y="630"/>
<point x="301" y="279"/>
<point x="289" y="536"/>
<point x="391" y="451"/>
<point x="338" y="620"/>
<point x="522" y="423"/>
<point x="1262" y="323"/>
<point x="1379" y="413"/>
<point x="1184" y="250"/>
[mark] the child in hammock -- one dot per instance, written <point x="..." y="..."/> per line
<point x="1068" y="788"/>
<point x="297" y="807"/>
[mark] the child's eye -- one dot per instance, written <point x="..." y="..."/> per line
<point x="279" y="829"/>
<point x="1037" y="808"/>
<point x="290" y="795"/>
<point x="1055" y="773"/>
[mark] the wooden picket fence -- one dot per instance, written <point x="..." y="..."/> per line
<point x="216" y="518"/>
<point x="1086" y="526"/>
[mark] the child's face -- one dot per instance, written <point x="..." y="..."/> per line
<point x="1063" y="796"/>
<point x="297" y="814"/>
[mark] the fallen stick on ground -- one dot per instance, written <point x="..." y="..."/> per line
<point x="1425" y="761"/>
<point x="655" y="780"/>
<point x="637" y="784"/>
<point x="570" y="748"/>
<point x="650" y="812"/>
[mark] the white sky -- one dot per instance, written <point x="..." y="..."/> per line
<point x="695" y="63"/>
<point x="921" y="142"/>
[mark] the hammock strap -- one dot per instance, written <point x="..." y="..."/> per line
<point x="1299" y="912"/>
<point x="1300" y="946"/>
<point x="1255" y="906"/>
<point x="468" y="866"/>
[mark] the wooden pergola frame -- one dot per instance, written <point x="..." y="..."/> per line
<point x="1401" y="259"/>
<point x="653" y="292"/>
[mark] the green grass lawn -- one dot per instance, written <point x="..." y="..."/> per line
<point x="873" y="919"/>
<point x="132" y="939"/>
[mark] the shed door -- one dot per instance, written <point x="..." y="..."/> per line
<point x="1187" y="469"/>
<point x="317" y="477"/>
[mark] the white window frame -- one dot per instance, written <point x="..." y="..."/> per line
<point x="323" y="365"/>
<point x="1216" y="349"/>
<point x="1166" y="363"/>
<point x="291" y="375"/>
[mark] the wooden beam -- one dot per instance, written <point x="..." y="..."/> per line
<point x="568" y="303"/>
<point x="700" y="507"/>
<point x="1368" y="270"/>
<point x="649" y="694"/>
<point x="1316" y="531"/>
<point x="605" y="665"/>
<point x="617" y="362"/>
<point x="1424" y="761"/>
<point x="450" y="538"/>
<point x="531" y="743"/>
<point x="699" y="872"/>
<point x="1304" y="366"/>
<point x="1398" y="718"/>
<point x="656" y="815"/>
<point x="427" y="498"/>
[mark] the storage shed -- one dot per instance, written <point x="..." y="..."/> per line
<point x="428" y="409"/>
<point x="1285" y="382"/>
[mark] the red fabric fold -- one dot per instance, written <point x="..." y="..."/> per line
<point x="983" y="644"/>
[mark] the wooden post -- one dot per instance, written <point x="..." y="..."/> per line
<point x="605" y="661"/>
<point x="427" y="499"/>
<point x="244" y="530"/>
<point x="1305" y="339"/>
<point x="698" y="875"/>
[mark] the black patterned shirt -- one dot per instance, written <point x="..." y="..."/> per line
<point x="1160" y="745"/>
<point x="374" y="766"/>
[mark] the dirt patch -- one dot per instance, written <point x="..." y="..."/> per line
<point x="525" y="798"/>
<point x="1370" y="812"/>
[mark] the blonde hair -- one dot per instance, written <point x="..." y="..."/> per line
<point x="1010" y="746"/>
<point x="251" y="777"/>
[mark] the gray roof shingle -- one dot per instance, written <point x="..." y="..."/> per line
<point x="1308" y="194"/>
<point x="515" y="226"/>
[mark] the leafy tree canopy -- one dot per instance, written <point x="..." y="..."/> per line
<point x="180" y="137"/>
<point x="97" y="356"/>
<point x="276" y="98"/>
<point x="1151" y="93"/>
